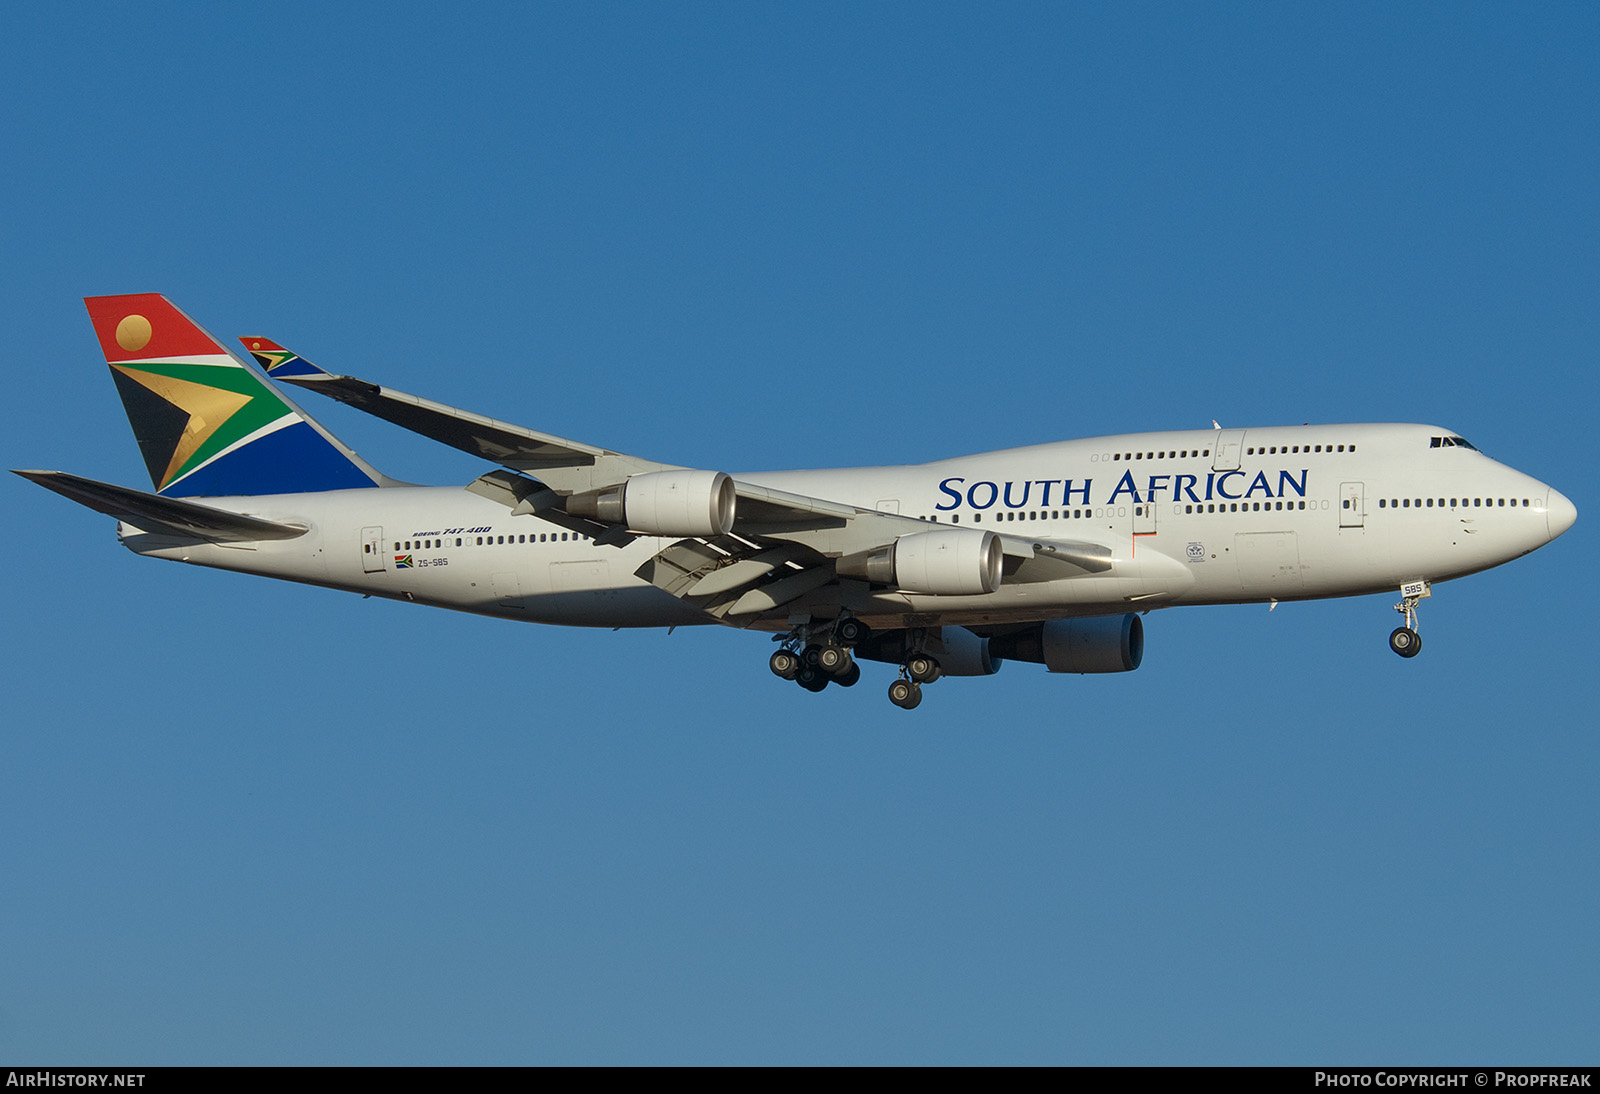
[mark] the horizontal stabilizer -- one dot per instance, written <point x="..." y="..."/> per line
<point x="153" y="513"/>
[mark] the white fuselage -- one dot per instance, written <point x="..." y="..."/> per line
<point x="1198" y="517"/>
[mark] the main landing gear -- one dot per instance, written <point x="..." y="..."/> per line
<point x="816" y="664"/>
<point x="815" y="656"/>
<point x="1405" y="640"/>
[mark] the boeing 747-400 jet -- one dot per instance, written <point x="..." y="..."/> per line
<point x="1050" y="553"/>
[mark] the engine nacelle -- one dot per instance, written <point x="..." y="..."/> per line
<point x="958" y="651"/>
<point x="1101" y="644"/>
<point x="664" y="503"/>
<point x="965" y="654"/>
<point x="943" y="562"/>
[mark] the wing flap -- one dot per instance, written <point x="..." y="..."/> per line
<point x="742" y="571"/>
<point x="775" y="594"/>
<point x="154" y="513"/>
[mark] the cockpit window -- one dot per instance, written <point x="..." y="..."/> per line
<point x="1452" y="442"/>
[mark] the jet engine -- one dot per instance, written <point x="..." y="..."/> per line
<point x="663" y="503"/>
<point x="944" y="562"/>
<point x="956" y="650"/>
<point x="1101" y="644"/>
<point x="965" y="654"/>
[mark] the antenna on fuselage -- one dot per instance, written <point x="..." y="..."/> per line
<point x="1214" y="424"/>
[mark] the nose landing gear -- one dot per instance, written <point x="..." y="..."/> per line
<point x="1405" y="640"/>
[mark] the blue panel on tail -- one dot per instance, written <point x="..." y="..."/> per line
<point x="295" y="459"/>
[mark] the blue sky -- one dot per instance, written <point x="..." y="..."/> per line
<point x="248" y="822"/>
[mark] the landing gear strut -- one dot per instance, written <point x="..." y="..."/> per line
<point x="1405" y="640"/>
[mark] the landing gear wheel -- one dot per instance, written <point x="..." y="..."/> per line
<point x="810" y="654"/>
<point x="848" y="678"/>
<point x="851" y="632"/>
<point x="834" y="660"/>
<point x="812" y="678"/>
<point x="923" y="669"/>
<point x="905" y="694"/>
<point x="784" y="664"/>
<point x="1405" y="641"/>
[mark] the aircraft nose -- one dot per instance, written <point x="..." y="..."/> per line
<point x="1559" y="513"/>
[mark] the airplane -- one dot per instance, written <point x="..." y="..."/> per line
<point x="1049" y="554"/>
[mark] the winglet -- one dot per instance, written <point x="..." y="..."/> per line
<point x="278" y="362"/>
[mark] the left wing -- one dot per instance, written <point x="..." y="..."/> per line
<point x="567" y="466"/>
<point x="742" y="549"/>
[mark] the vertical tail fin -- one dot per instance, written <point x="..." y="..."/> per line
<point x="207" y="423"/>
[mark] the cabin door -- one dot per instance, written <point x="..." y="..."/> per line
<point x="372" y="550"/>
<point x="1144" y="519"/>
<point x="1352" y="512"/>
<point x="1229" y="445"/>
